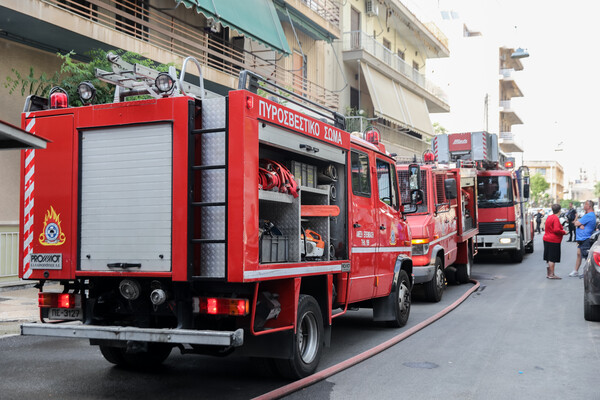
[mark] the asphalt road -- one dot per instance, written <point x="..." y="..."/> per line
<point x="520" y="336"/>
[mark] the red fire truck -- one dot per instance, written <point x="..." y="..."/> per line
<point x="208" y="223"/>
<point x="444" y="225"/>
<point x="502" y="193"/>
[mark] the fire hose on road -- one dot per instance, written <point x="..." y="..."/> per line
<point x="334" y="369"/>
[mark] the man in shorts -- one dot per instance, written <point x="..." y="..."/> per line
<point x="584" y="228"/>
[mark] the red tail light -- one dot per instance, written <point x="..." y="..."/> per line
<point x="596" y="256"/>
<point x="221" y="306"/>
<point x="58" y="300"/>
<point x="249" y="102"/>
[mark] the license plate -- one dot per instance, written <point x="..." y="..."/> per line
<point x="65" y="313"/>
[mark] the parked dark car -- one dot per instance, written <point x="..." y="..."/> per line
<point x="591" y="278"/>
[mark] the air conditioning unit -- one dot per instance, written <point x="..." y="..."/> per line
<point x="372" y="8"/>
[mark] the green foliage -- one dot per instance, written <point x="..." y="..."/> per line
<point x="597" y="189"/>
<point x="538" y="185"/>
<point x="439" y="129"/>
<point x="72" y="73"/>
<point x="565" y="203"/>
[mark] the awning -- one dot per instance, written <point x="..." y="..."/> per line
<point x="300" y="22"/>
<point x="256" y="19"/>
<point x="396" y="104"/>
<point x="12" y="138"/>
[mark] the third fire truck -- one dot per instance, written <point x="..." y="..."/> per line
<point x="502" y="193"/>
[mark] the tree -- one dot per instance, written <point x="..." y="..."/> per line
<point x="538" y="185"/>
<point x="72" y="73"/>
<point x="597" y="191"/>
<point x="438" y="129"/>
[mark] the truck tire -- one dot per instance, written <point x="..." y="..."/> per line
<point x="590" y="312"/>
<point x="529" y="247"/>
<point x="307" y="342"/>
<point x="435" y="287"/>
<point x="402" y="301"/>
<point x="156" y="354"/>
<point x="450" y="273"/>
<point x="113" y="355"/>
<point x="517" y="255"/>
<point x="463" y="271"/>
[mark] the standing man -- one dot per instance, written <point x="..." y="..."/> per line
<point x="585" y="226"/>
<point x="571" y="215"/>
<point x="538" y="220"/>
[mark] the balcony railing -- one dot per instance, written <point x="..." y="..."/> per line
<point x="358" y="40"/>
<point x="393" y="135"/>
<point x="507" y="136"/>
<point x="146" y="23"/>
<point x="329" y="10"/>
<point x="505" y="104"/>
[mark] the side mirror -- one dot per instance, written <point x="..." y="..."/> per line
<point x="414" y="177"/>
<point x="526" y="191"/>
<point x="450" y="188"/>
<point x="416" y="197"/>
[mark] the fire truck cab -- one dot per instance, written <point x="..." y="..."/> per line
<point x="207" y="223"/>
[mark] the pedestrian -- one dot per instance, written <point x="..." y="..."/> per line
<point x="553" y="235"/>
<point x="571" y="215"/>
<point x="585" y="226"/>
<point x="538" y="220"/>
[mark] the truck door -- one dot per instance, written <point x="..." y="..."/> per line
<point x="388" y="215"/>
<point x="445" y="223"/>
<point x="363" y="226"/>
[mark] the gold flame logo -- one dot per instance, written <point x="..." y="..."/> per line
<point x="52" y="234"/>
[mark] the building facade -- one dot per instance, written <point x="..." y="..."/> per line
<point x="384" y="48"/>
<point x="553" y="173"/>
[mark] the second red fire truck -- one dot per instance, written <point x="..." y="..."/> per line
<point x="444" y="225"/>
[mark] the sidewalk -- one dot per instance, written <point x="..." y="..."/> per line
<point x="18" y="304"/>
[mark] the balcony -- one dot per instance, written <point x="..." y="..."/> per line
<point x="358" y="46"/>
<point x="147" y="27"/>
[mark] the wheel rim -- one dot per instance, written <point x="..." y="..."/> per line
<point x="403" y="298"/>
<point x="307" y="337"/>
<point x="439" y="279"/>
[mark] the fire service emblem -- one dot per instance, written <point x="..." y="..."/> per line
<point x="52" y="235"/>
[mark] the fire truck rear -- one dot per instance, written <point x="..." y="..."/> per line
<point x="444" y="225"/>
<point x="502" y="193"/>
<point x="207" y="223"/>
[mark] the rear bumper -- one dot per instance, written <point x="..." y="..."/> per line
<point x="127" y="333"/>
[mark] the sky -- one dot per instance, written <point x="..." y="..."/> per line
<point x="561" y="78"/>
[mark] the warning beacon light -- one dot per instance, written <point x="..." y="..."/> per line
<point x="428" y="157"/>
<point x="58" y="98"/>
<point x="372" y="135"/>
<point x="509" y="164"/>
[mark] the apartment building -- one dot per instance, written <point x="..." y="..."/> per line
<point x="385" y="48"/>
<point x="286" y="41"/>
<point x="554" y="174"/>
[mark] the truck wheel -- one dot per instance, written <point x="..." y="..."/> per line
<point x="517" y="255"/>
<point x="435" y="287"/>
<point x="307" y="342"/>
<point x="463" y="271"/>
<point x="590" y="312"/>
<point x="402" y="301"/>
<point x="156" y="354"/>
<point x="450" y="273"/>
<point x="113" y="355"/>
<point x="529" y="247"/>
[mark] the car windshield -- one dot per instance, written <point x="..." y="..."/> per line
<point x="494" y="191"/>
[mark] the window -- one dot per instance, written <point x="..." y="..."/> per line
<point x="138" y="9"/>
<point x="361" y="183"/>
<point x="386" y="182"/>
<point x="401" y="54"/>
<point x="494" y="191"/>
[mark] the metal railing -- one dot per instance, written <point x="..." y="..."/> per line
<point x="389" y="134"/>
<point x="9" y="252"/>
<point x="507" y="136"/>
<point x="359" y="40"/>
<point x="172" y="34"/>
<point x="505" y="104"/>
<point x="329" y="10"/>
<point x="414" y="8"/>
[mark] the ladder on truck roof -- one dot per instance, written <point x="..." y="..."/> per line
<point x="137" y="79"/>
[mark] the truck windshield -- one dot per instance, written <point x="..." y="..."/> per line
<point x="494" y="191"/>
